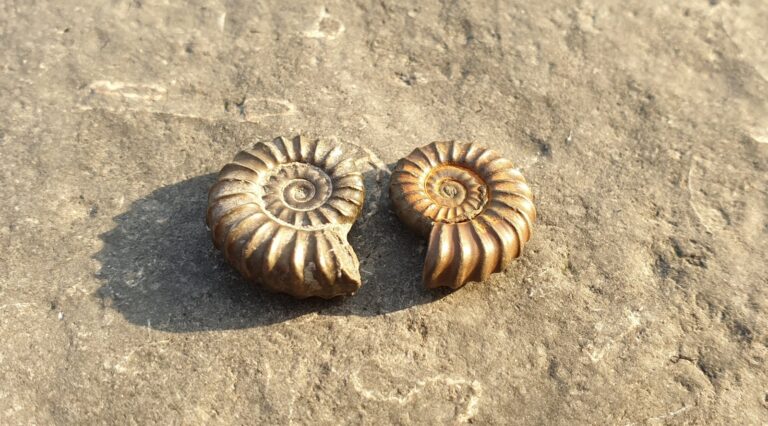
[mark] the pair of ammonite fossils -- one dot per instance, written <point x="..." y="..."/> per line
<point x="280" y="212"/>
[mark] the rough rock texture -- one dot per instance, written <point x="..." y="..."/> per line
<point x="642" y="127"/>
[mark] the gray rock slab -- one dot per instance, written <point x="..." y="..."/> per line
<point x="641" y="126"/>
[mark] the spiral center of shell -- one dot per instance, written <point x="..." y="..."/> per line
<point x="295" y="193"/>
<point x="452" y="191"/>
<point x="458" y="193"/>
<point x="298" y="191"/>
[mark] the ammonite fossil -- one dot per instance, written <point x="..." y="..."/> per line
<point x="475" y="206"/>
<point x="281" y="211"/>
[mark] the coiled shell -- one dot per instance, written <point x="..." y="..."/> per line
<point x="476" y="208"/>
<point x="281" y="211"/>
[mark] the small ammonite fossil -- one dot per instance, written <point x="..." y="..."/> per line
<point x="281" y="211"/>
<point x="476" y="208"/>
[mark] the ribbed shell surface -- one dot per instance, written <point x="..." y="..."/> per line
<point x="476" y="208"/>
<point x="280" y="213"/>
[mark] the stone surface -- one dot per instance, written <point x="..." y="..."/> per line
<point x="642" y="127"/>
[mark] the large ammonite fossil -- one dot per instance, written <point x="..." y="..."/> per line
<point x="475" y="206"/>
<point x="281" y="211"/>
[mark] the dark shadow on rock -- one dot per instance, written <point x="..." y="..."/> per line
<point x="160" y="269"/>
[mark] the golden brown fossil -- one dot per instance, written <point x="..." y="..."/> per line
<point x="281" y="211"/>
<point x="476" y="208"/>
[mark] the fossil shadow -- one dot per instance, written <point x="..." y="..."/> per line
<point x="159" y="267"/>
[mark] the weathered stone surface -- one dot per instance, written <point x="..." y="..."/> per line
<point x="641" y="126"/>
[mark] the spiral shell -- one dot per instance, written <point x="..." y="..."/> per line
<point x="475" y="206"/>
<point x="281" y="211"/>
